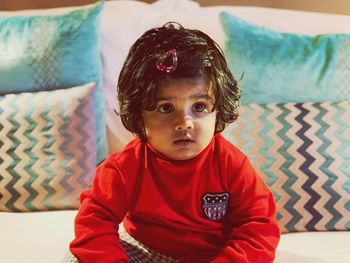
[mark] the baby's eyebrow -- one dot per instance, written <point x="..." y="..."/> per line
<point x="166" y="98"/>
<point x="200" y="96"/>
<point x="193" y="96"/>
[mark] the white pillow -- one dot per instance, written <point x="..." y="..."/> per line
<point x="124" y="21"/>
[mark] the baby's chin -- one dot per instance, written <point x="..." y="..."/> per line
<point x="183" y="154"/>
<point x="180" y="150"/>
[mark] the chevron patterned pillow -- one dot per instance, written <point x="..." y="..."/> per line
<point x="302" y="150"/>
<point x="48" y="148"/>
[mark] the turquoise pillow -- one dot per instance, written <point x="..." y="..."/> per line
<point x="284" y="67"/>
<point x="53" y="52"/>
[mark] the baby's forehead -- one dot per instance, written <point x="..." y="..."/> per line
<point x="189" y="81"/>
<point x="198" y="88"/>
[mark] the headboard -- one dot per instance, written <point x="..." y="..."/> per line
<point x="325" y="6"/>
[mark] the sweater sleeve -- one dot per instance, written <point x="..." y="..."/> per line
<point x="253" y="233"/>
<point x="102" y="209"/>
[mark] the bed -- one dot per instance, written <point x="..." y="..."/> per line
<point x="314" y="215"/>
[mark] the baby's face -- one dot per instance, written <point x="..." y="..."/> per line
<point x="183" y="122"/>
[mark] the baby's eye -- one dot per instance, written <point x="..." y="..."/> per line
<point x="199" y="107"/>
<point x="165" y="108"/>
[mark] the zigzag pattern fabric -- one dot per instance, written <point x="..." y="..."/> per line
<point x="48" y="148"/>
<point x="303" y="152"/>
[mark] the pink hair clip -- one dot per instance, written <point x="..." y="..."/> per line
<point x="160" y="63"/>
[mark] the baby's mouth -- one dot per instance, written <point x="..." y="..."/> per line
<point x="183" y="142"/>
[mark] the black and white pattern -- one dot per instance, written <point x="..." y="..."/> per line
<point x="136" y="252"/>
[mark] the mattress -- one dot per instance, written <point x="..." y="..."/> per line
<point x="43" y="237"/>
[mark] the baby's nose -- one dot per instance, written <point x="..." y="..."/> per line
<point x="184" y="123"/>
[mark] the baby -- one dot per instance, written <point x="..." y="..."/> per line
<point x="179" y="187"/>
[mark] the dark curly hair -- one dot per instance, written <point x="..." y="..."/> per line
<point x="197" y="56"/>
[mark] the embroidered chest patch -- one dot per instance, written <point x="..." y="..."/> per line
<point x="215" y="205"/>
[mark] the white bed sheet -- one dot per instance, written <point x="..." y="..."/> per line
<point x="35" y="237"/>
<point x="43" y="237"/>
<point x="314" y="247"/>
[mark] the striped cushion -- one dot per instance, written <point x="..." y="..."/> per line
<point x="48" y="148"/>
<point x="303" y="153"/>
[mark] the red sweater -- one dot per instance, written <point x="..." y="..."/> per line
<point x="211" y="208"/>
